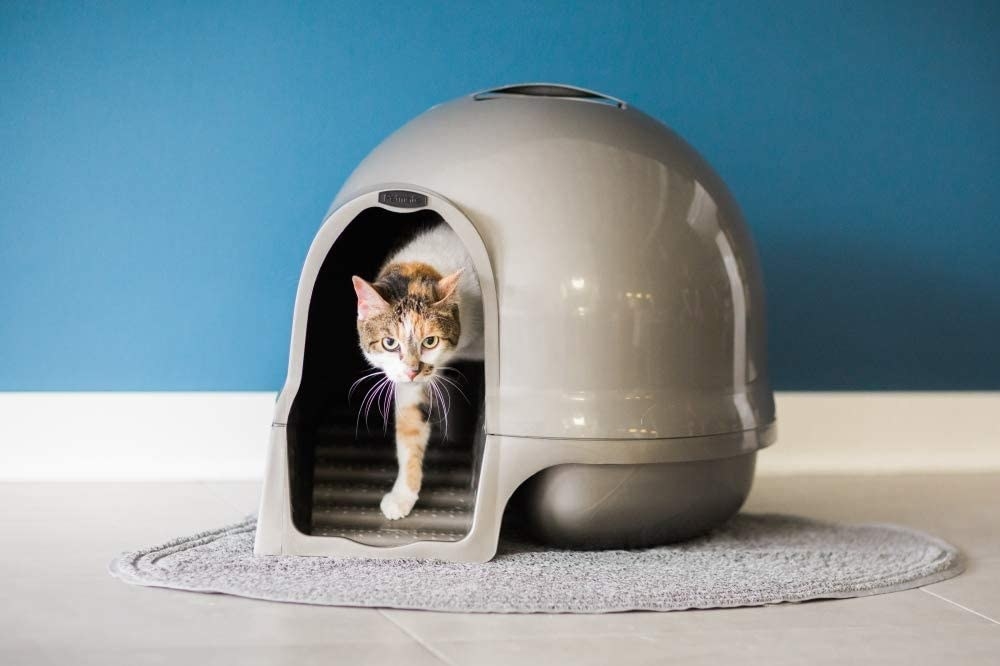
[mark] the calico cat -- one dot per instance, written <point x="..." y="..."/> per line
<point x="423" y="310"/>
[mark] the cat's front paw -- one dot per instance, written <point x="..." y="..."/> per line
<point x="397" y="504"/>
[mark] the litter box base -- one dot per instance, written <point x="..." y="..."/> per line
<point x="633" y="506"/>
<point x="669" y="501"/>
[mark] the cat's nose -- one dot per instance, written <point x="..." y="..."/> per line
<point x="412" y="372"/>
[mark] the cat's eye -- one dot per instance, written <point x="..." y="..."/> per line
<point x="390" y="344"/>
<point x="431" y="341"/>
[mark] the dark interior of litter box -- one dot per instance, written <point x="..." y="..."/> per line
<point x="341" y="462"/>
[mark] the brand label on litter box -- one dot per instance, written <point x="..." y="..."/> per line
<point x="402" y="199"/>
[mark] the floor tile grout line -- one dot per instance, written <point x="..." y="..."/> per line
<point x="424" y="644"/>
<point x="955" y="603"/>
<point x="562" y="635"/>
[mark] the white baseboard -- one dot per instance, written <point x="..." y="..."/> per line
<point x="179" y="436"/>
<point x="861" y="432"/>
<point x="134" y="436"/>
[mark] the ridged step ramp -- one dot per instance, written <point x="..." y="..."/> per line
<point x="350" y="478"/>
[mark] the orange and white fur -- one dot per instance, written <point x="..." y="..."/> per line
<point x="423" y="309"/>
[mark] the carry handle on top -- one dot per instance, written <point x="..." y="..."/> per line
<point x="549" y="90"/>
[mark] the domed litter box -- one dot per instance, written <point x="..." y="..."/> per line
<point x="624" y="389"/>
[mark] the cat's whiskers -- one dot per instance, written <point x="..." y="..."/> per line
<point x="447" y="394"/>
<point x="448" y="367"/>
<point x="375" y="398"/>
<point x="457" y="387"/>
<point x="432" y="394"/>
<point x="361" y="409"/>
<point x="386" y="404"/>
<point x="436" y="392"/>
<point x="359" y="380"/>
<point x="380" y="402"/>
<point x="366" y="404"/>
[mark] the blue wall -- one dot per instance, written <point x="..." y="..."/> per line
<point x="164" y="166"/>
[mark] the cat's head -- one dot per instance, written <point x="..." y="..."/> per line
<point x="408" y="320"/>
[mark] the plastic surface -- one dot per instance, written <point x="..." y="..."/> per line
<point x="633" y="506"/>
<point x="625" y="369"/>
<point x="629" y="290"/>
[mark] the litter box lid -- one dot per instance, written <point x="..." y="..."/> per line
<point x="630" y="300"/>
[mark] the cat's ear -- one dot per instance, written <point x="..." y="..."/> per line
<point x="446" y="286"/>
<point x="369" y="300"/>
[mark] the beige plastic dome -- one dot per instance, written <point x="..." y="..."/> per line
<point x="625" y="369"/>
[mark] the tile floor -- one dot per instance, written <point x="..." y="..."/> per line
<point x="61" y="607"/>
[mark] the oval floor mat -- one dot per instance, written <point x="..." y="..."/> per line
<point x="751" y="561"/>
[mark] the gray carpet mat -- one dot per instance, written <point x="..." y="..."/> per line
<point x="753" y="560"/>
